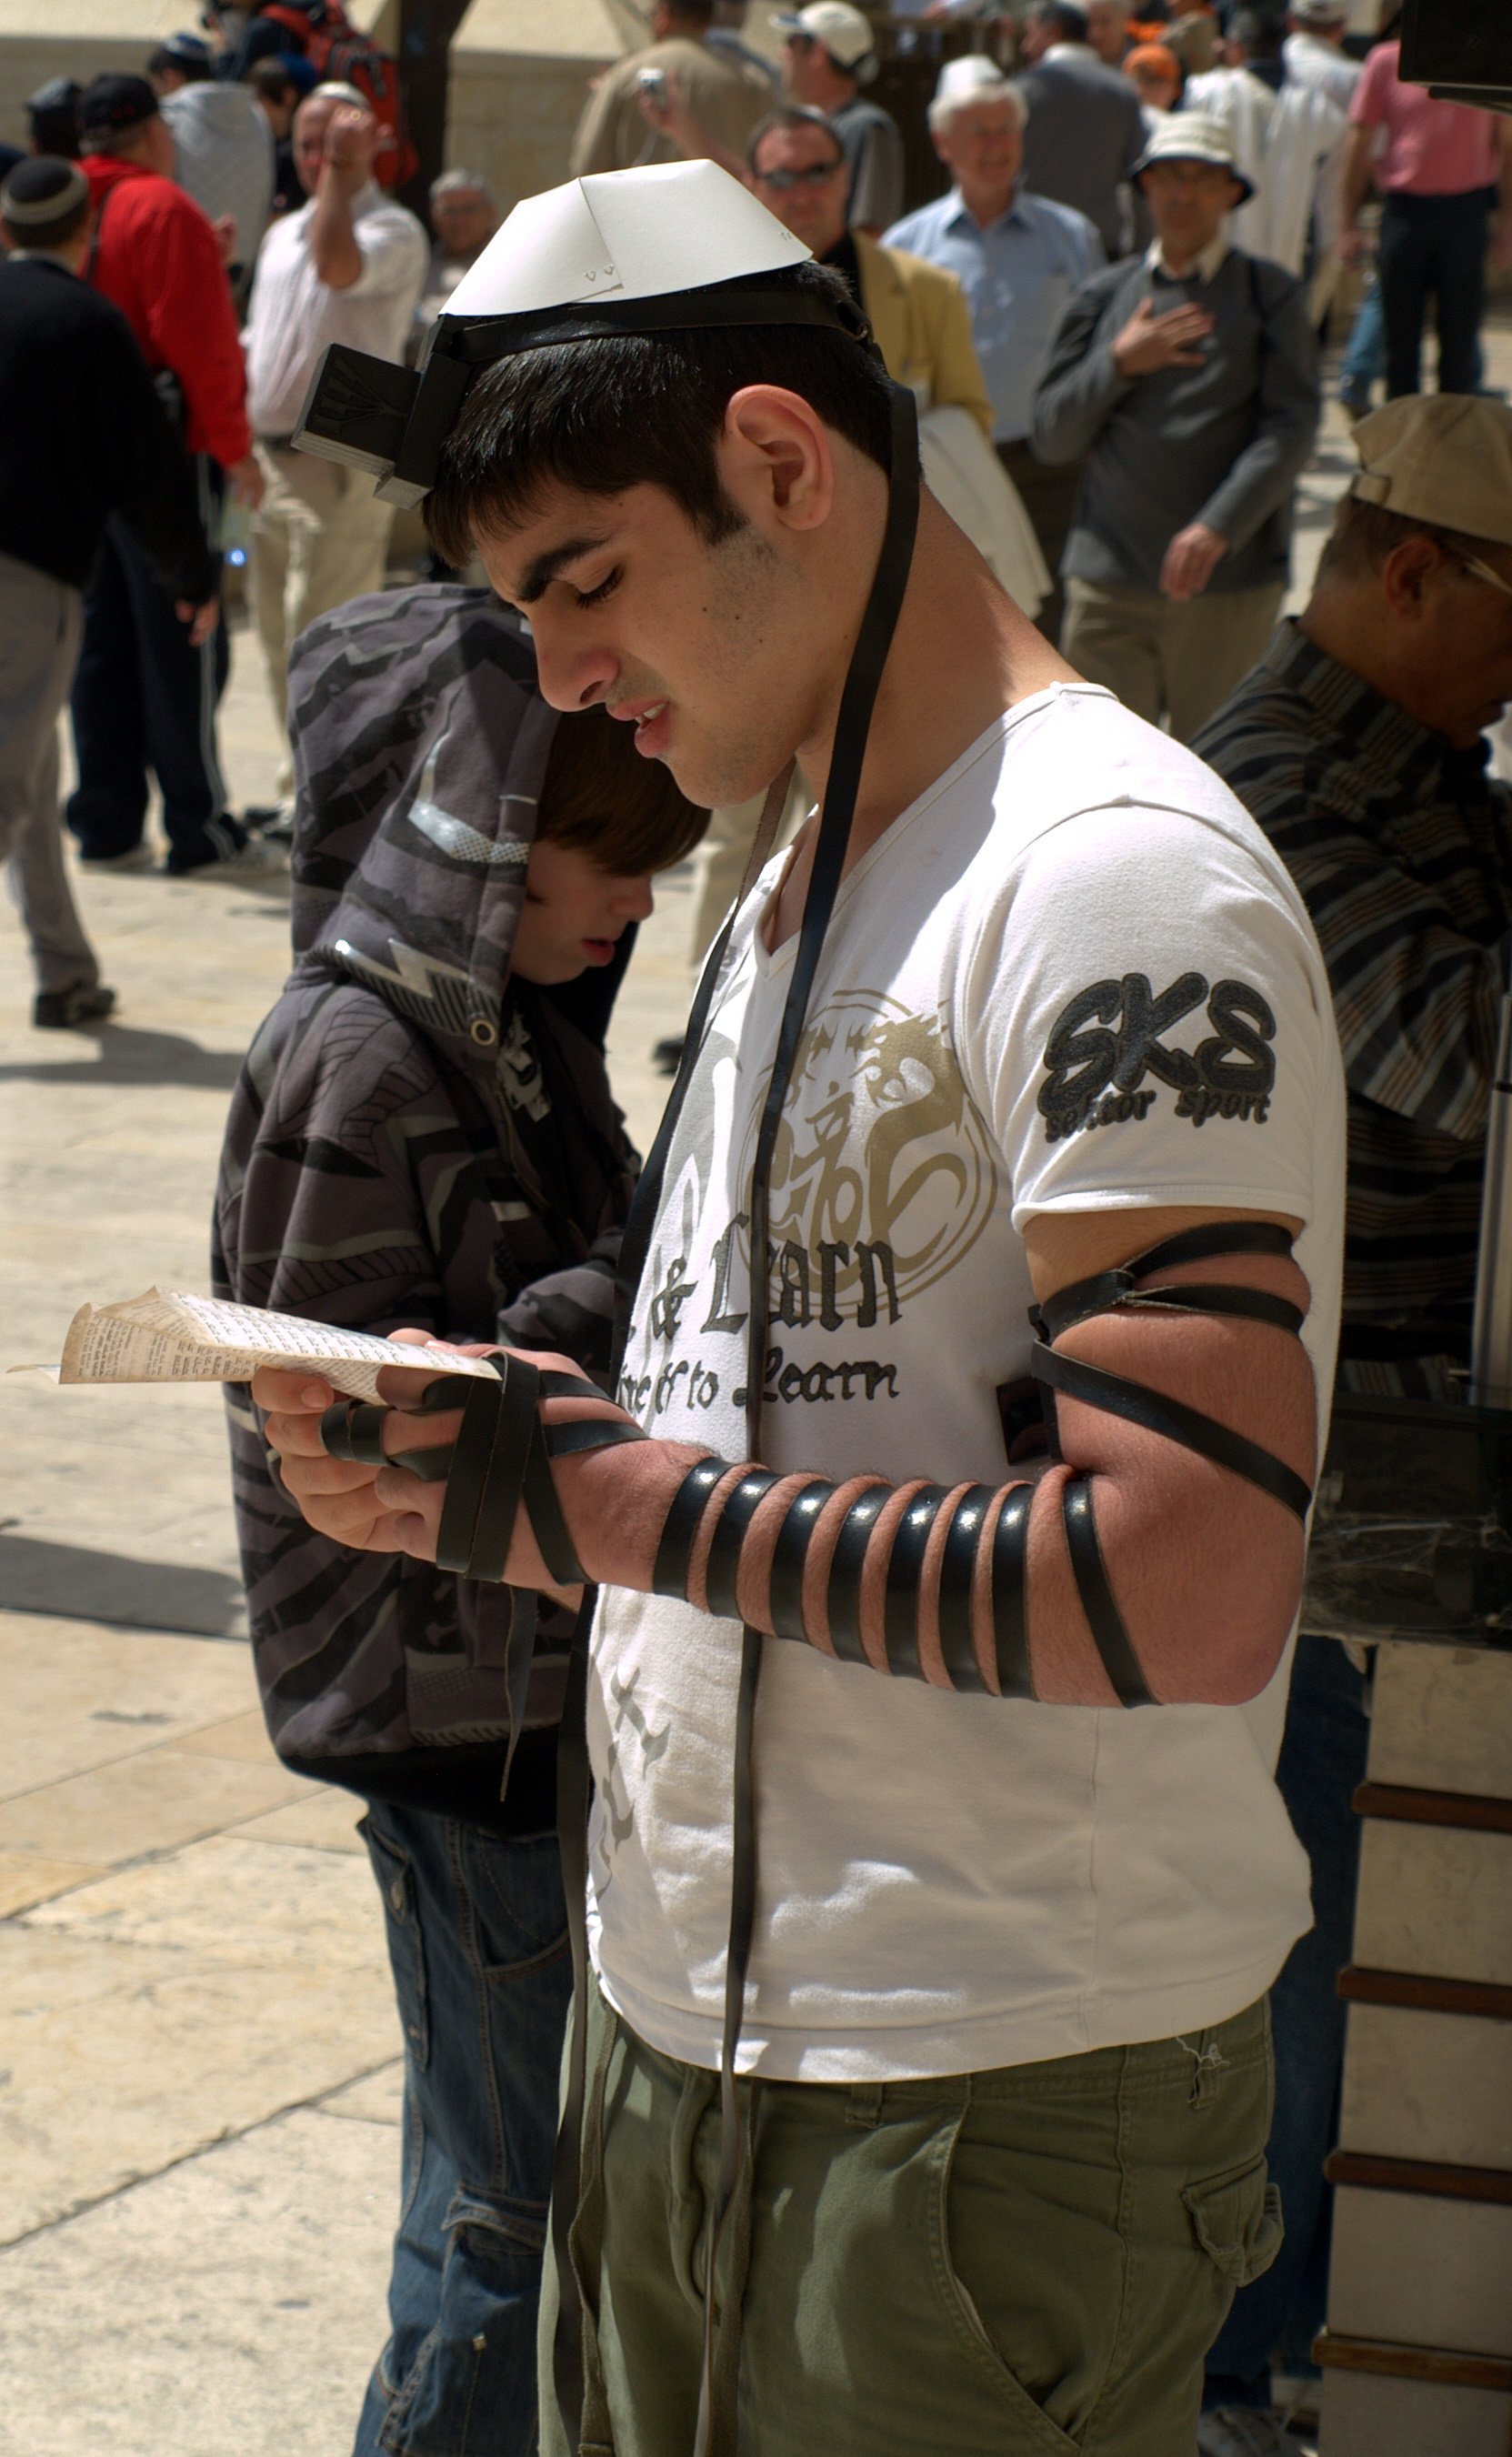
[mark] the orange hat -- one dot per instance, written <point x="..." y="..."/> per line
<point x="1152" y="55"/>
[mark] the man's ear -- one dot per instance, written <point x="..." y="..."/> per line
<point x="775" y="455"/>
<point x="1407" y="575"/>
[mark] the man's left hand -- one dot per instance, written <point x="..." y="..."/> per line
<point x="1192" y="558"/>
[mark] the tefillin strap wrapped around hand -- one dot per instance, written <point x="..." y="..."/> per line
<point x="985" y="1543"/>
<point x="500" y="1461"/>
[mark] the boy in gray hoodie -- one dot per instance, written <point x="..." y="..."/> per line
<point x="423" y="1134"/>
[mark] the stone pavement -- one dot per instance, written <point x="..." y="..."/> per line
<point x="198" y="2050"/>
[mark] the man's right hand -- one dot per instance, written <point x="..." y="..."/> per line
<point x="246" y="480"/>
<point x="201" y="619"/>
<point x="1149" y="342"/>
<point x="352" y="139"/>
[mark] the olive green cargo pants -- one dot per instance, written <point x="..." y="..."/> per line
<point x="1023" y="2264"/>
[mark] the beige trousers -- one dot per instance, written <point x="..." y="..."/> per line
<point x="318" y="538"/>
<point x="1165" y="660"/>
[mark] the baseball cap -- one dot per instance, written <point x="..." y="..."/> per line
<point x="111" y="103"/>
<point x="1192" y="136"/>
<point x="1320" y="12"/>
<point x="1442" y="457"/>
<point x="42" y="189"/>
<point x="841" y="31"/>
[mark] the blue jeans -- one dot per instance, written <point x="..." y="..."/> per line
<point x="477" y="1939"/>
<point x="1364" y="359"/>
<point x="1434" y="247"/>
<point x="1323" y="1759"/>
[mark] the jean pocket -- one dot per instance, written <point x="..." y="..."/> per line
<point x="1237" y="2221"/>
<point x="407" y="1952"/>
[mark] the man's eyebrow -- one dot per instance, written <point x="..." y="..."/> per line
<point x="540" y="574"/>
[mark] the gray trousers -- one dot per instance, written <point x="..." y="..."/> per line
<point x="1180" y="662"/>
<point x="41" y="625"/>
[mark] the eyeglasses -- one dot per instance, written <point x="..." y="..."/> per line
<point x="1483" y="571"/>
<point x="814" y="177"/>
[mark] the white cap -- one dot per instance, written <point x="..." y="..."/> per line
<point x="1192" y="137"/>
<point x="973" y="79"/>
<point x="843" y="31"/>
<point x="1320" y="12"/>
<point x="624" y="235"/>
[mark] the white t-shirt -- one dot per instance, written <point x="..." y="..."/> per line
<point x="1073" y="976"/>
<point x="293" y="313"/>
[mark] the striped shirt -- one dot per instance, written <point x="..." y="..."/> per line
<point x="1402" y="850"/>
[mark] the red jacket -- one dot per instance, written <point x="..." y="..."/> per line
<point x="158" y="259"/>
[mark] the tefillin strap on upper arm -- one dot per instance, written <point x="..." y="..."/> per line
<point x="1095" y="1387"/>
<point x="982" y="1520"/>
<point x="498" y="1462"/>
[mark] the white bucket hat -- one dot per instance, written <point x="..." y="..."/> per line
<point x="1192" y="136"/>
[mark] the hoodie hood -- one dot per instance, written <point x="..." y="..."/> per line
<point x="223" y="158"/>
<point x="420" y="749"/>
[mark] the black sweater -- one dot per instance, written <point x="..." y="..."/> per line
<point x="83" y="435"/>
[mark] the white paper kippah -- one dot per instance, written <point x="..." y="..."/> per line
<point x="624" y="235"/>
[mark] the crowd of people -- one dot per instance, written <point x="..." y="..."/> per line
<point x="1130" y="856"/>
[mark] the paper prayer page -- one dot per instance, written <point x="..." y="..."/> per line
<point x="162" y="1337"/>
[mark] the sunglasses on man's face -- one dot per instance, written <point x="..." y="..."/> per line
<point x="814" y="177"/>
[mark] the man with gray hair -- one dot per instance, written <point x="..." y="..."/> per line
<point x="1018" y="257"/>
<point x="463" y="216"/>
<point x="347" y="267"/>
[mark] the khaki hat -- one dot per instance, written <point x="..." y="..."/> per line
<point x="1192" y="136"/>
<point x="1444" y="458"/>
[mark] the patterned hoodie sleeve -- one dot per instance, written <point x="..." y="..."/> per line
<point x="342" y="1180"/>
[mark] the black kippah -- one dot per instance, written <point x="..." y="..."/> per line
<point x="42" y="189"/>
<point x="111" y="103"/>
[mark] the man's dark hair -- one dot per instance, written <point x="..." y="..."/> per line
<point x="53" y="117"/>
<point x="1261" y="32"/>
<point x="636" y="410"/>
<point x="270" y="80"/>
<point x="165" y="59"/>
<point x="48" y="234"/>
<point x="1061" y="18"/>
<point x="601" y="798"/>
<point x="1364" y="534"/>
<point x="790" y="114"/>
<point x="698" y="14"/>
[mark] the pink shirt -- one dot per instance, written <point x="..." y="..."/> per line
<point x="1433" y="148"/>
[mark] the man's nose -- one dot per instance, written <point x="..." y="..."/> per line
<point x="573" y="673"/>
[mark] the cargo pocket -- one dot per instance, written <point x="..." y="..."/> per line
<point x="407" y="1952"/>
<point x="1237" y="2221"/>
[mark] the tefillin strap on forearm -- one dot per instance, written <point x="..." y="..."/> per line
<point x="979" y="1520"/>
<point x="1095" y="1387"/>
<point x="500" y="1461"/>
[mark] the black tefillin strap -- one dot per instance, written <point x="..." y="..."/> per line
<point x="1095" y="1387"/>
<point x="984" y="1516"/>
<point x="501" y="1459"/>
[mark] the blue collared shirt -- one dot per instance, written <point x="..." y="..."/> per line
<point x="1018" y="275"/>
